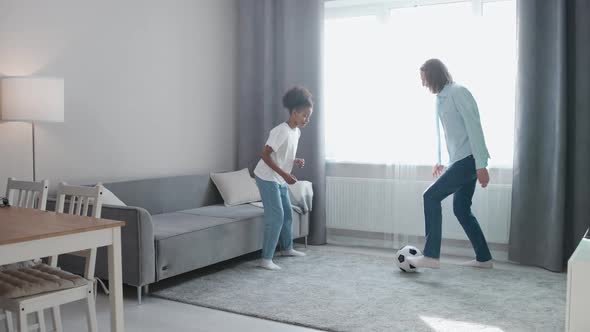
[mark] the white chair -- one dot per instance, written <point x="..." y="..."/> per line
<point x="25" y="194"/>
<point x="80" y="201"/>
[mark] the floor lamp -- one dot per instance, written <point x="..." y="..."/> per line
<point x="32" y="99"/>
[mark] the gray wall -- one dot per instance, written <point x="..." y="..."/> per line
<point x="150" y="87"/>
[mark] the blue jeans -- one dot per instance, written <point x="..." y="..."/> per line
<point x="278" y="217"/>
<point x="459" y="179"/>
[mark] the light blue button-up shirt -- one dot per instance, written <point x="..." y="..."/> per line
<point x="457" y="111"/>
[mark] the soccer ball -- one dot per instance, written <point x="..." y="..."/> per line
<point x="402" y="254"/>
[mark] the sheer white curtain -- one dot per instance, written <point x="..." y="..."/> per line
<point x="378" y="113"/>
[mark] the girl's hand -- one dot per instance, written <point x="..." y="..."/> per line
<point x="290" y="178"/>
<point x="299" y="162"/>
<point x="483" y="177"/>
<point x="437" y="170"/>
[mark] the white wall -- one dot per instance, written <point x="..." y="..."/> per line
<point x="150" y="87"/>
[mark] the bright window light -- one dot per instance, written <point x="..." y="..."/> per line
<point x="376" y="108"/>
<point x="444" y="325"/>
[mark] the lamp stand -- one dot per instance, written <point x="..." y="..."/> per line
<point x="33" y="132"/>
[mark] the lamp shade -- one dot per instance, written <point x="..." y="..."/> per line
<point x="36" y="99"/>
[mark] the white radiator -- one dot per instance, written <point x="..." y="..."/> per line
<point x="395" y="207"/>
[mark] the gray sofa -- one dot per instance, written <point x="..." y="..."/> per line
<point x="175" y="225"/>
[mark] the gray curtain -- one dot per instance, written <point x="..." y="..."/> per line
<point x="280" y="47"/>
<point x="551" y="189"/>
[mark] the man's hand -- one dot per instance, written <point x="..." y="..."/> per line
<point x="299" y="162"/>
<point x="437" y="170"/>
<point x="290" y="178"/>
<point x="483" y="177"/>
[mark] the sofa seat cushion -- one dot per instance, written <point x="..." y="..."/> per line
<point x="190" y="239"/>
<point x="245" y="211"/>
<point x="185" y="241"/>
<point x="172" y="224"/>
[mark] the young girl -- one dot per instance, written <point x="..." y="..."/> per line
<point x="273" y="173"/>
<point x="468" y="157"/>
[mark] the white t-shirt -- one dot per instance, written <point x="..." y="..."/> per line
<point x="283" y="140"/>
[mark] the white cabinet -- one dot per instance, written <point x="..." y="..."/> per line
<point x="578" y="288"/>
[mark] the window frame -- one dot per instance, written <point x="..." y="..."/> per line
<point x="381" y="8"/>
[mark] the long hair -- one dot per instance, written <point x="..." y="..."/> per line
<point x="437" y="75"/>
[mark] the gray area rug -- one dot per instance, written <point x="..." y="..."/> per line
<point x="337" y="291"/>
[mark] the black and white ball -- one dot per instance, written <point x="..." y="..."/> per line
<point x="402" y="254"/>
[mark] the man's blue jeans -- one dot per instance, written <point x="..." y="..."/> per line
<point x="278" y="217"/>
<point x="459" y="179"/>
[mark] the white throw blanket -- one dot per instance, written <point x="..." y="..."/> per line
<point x="301" y="195"/>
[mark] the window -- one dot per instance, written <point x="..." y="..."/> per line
<point x="376" y="108"/>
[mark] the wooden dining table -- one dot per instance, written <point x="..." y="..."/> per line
<point x="31" y="233"/>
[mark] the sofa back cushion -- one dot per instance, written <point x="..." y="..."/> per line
<point x="167" y="194"/>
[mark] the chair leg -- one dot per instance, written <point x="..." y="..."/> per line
<point x="91" y="314"/>
<point x="41" y="321"/>
<point x="9" y="322"/>
<point x="306" y="242"/>
<point x="57" y="325"/>
<point x="138" y="295"/>
<point x="22" y="321"/>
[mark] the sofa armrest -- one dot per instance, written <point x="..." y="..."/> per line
<point x="303" y="227"/>
<point x="137" y="246"/>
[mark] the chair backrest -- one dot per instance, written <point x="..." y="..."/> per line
<point x="27" y="194"/>
<point x="79" y="198"/>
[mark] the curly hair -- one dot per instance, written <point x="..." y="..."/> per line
<point x="296" y="98"/>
